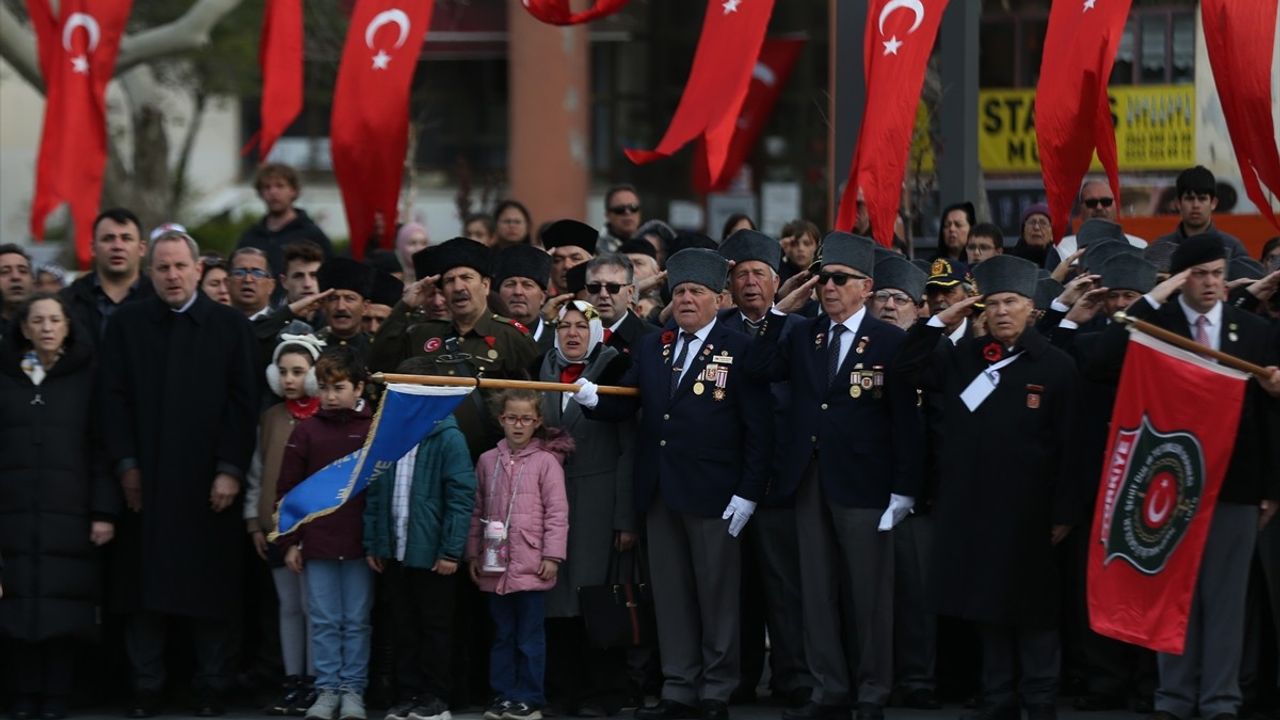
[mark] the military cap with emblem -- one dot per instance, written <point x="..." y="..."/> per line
<point x="1128" y="272"/>
<point x="1197" y="250"/>
<point x="749" y="245"/>
<point x="855" y="251"/>
<point x="1245" y="267"/>
<point x="947" y="273"/>
<point x="563" y="233"/>
<point x="1096" y="229"/>
<point x="387" y="290"/>
<point x="894" y="272"/>
<point x="1047" y="290"/>
<point x="1160" y="254"/>
<point x="524" y="261"/>
<point x="339" y="273"/>
<point x="697" y="265"/>
<point x="1006" y="273"/>
<point x="1097" y="254"/>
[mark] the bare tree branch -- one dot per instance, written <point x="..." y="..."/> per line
<point x="18" y="47"/>
<point x="189" y="32"/>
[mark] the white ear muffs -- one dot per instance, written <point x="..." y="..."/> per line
<point x="310" y="385"/>
<point x="273" y="379"/>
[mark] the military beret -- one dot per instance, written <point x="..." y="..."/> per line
<point x="340" y="273"/>
<point x="1095" y="229"/>
<point x="697" y="265"/>
<point x="749" y="245"/>
<point x="563" y="233"/>
<point x="947" y="273"/>
<point x="1197" y="250"/>
<point x="895" y="272"/>
<point x="1245" y="267"/>
<point x="1047" y="290"/>
<point x="1128" y="272"/>
<point x="458" y="252"/>
<point x="387" y="290"/>
<point x="1097" y="254"/>
<point x="1006" y="273"/>
<point x="855" y="251"/>
<point x="524" y="261"/>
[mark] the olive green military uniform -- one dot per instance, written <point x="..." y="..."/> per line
<point x="360" y="342"/>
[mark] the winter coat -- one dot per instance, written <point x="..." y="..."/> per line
<point x="441" y="500"/>
<point x="276" y="426"/>
<point x="273" y="242"/>
<point x="315" y="442"/>
<point x="82" y="298"/>
<point x="539" y="526"/>
<point x="52" y="485"/>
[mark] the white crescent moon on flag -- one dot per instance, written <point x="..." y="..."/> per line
<point x="914" y="6"/>
<point x="394" y="15"/>
<point x="85" y="21"/>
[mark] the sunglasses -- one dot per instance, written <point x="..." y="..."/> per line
<point x="838" y="278"/>
<point x="624" y="209"/>
<point x="257" y="273"/>
<point x="1093" y="203"/>
<point x="594" y="288"/>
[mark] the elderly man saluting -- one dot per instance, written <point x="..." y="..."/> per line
<point x="701" y="463"/>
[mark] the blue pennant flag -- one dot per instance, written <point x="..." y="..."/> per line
<point x="407" y="414"/>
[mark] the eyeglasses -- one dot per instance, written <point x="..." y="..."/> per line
<point x="594" y="288"/>
<point x="257" y="273"/>
<point x="899" y="299"/>
<point x="1039" y="221"/>
<point x="518" y="420"/>
<point x="838" y="277"/>
<point x="1093" y="203"/>
<point x="624" y="209"/>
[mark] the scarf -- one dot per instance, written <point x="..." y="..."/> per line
<point x="302" y="408"/>
<point x="594" y="337"/>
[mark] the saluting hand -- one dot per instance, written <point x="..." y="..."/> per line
<point x="1076" y="289"/>
<point x="1266" y="287"/>
<point x="643" y="286"/>
<point x="1088" y="306"/>
<point x="415" y="293"/>
<point x="1165" y="290"/>
<point x="551" y="308"/>
<point x="957" y="312"/>
<point x="1060" y="273"/>
<point x="304" y="305"/>
<point x="795" y="300"/>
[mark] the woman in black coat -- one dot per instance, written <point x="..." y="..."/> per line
<point x="56" y="504"/>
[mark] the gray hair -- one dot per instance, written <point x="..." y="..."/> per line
<point x="616" y="260"/>
<point x="173" y="236"/>
<point x="256" y="252"/>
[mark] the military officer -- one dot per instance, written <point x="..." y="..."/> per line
<point x="351" y="284"/>
<point x="850" y="435"/>
<point x="1008" y="403"/>
<point x="571" y="243"/>
<point x="702" y="460"/>
<point x="899" y="290"/>
<point x="522" y="275"/>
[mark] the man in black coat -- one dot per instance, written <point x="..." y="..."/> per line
<point x="178" y="415"/>
<point x="278" y="186"/>
<point x="117" y="278"/>
<point x="610" y="286"/>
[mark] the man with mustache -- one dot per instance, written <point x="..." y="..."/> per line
<point x="523" y="273"/>
<point x="348" y="283"/>
<point x="118" y="248"/>
<point x="16" y="279"/>
<point x="251" y="283"/>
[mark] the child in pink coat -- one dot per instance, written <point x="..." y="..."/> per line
<point x="519" y="530"/>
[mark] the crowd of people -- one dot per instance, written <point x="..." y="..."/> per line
<point x="814" y="475"/>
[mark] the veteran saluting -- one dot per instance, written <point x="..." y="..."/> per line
<point x="701" y="462"/>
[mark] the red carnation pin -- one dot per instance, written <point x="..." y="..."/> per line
<point x="431" y="345"/>
<point x="668" y="337"/>
<point x="490" y="340"/>
<point x="993" y="352"/>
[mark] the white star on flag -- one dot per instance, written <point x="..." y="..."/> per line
<point x="731" y="6"/>
<point x="80" y="64"/>
<point x="891" y="45"/>
<point x="381" y="60"/>
<point x="1088" y="5"/>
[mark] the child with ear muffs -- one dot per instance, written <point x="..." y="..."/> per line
<point x="291" y="376"/>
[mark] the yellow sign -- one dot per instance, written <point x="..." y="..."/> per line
<point x="1155" y="128"/>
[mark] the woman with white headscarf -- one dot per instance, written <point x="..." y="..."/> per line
<point x="583" y="680"/>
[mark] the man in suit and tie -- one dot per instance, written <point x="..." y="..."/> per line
<point x="610" y="286"/>
<point x="853" y="430"/>
<point x="1190" y="303"/>
<point x="702" y="459"/>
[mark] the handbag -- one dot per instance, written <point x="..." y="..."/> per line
<point x="619" y="614"/>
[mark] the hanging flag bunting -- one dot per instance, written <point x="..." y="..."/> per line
<point x="280" y="57"/>
<point x="1237" y="36"/>
<point x="77" y="52"/>
<point x="732" y="34"/>
<point x="557" y="12"/>
<point x="1073" y="115"/>
<point x="777" y="60"/>
<point x="369" y="126"/>
<point x="899" y="39"/>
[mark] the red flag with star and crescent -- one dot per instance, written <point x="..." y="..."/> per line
<point x="1237" y="35"/>
<point x="732" y="33"/>
<point x="369" y="126"/>
<point x="899" y="39"/>
<point x="558" y="12"/>
<point x="77" y="52"/>
<point x="1073" y="115"/>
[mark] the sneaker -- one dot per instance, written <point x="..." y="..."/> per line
<point x="325" y="707"/>
<point x="497" y="709"/>
<point x="307" y="695"/>
<point x="290" y="693"/>
<point x="352" y="707"/>
<point x="430" y="708"/>
<point x="401" y="711"/>
<point x="521" y="711"/>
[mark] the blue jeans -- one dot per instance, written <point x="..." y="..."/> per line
<point x="339" y="597"/>
<point x="518" y="660"/>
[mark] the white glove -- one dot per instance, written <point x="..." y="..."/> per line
<point x="586" y="396"/>
<point x="738" y="513"/>
<point x="899" y="507"/>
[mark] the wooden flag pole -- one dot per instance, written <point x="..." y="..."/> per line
<point x="498" y="384"/>
<point x="1190" y="345"/>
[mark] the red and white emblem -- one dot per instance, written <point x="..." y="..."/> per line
<point x="432" y="345"/>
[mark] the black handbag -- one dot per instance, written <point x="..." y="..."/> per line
<point x="619" y="614"/>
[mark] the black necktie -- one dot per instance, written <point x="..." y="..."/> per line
<point x="677" y="367"/>
<point x="833" y="353"/>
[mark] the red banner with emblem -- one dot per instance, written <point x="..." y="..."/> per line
<point x="1163" y="468"/>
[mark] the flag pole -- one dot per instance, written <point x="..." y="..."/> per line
<point x="497" y="384"/>
<point x="1190" y="345"/>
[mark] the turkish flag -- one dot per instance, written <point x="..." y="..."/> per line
<point x="1073" y="116"/>
<point x="1162" y="471"/>
<point x="732" y="34"/>
<point x="899" y="39"/>
<point x="1239" y="37"/>
<point x="557" y="12"/>
<point x="369" y="127"/>
<point x="77" y="54"/>
<point x="777" y="60"/>
<point x="280" y="56"/>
